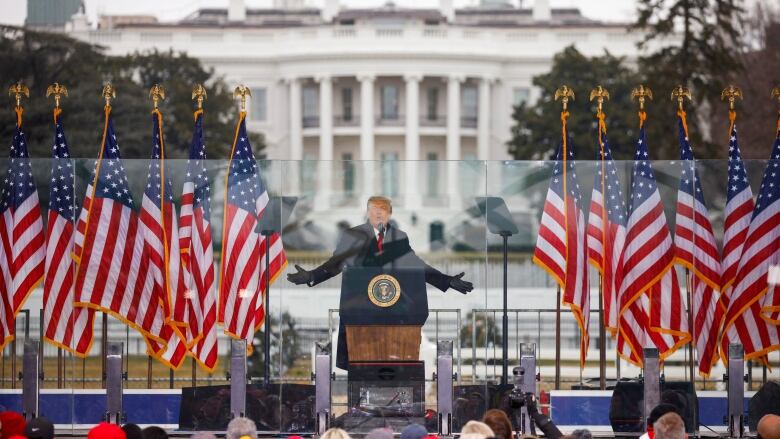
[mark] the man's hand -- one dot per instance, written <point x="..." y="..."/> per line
<point x="300" y="277"/>
<point x="460" y="285"/>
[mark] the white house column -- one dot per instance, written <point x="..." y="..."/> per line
<point x="296" y="135"/>
<point x="412" y="150"/>
<point x="483" y="120"/>
<point x="366" y="135"/>
<point x="453" y="140"/>
<point x="325" y="168"/>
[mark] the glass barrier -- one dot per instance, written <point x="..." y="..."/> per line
<point x="440" y="207"/>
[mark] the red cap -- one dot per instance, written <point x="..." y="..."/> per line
<point x="104" y="430"/>
<point x="13" y="424"/>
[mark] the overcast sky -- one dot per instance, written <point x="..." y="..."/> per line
<point x="14" y="11"/>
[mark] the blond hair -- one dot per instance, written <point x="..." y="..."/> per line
<point x="478" y="428"/>
<point x="335" y="433"/>
<point x="379" y="201"/>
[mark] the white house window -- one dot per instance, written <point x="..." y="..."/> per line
<point x="311" y="104"/>
<point x="520" y="95"/>
<point x="258" y="102"/>
<point x="432" y="104"/>
<point x="346" y="104"/>
<point x="390" y="173"/>
<point x="432" y="184"/>
<point x="390" y="102"/>
<point x="308" y="171"/>
<point x="348" y="169"/>
<point x="469" y="107"/>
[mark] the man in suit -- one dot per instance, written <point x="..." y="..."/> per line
<point x="374" y="244"/>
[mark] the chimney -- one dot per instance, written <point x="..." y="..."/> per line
<point x="542" y="11"/>
<point x="330" y="10"/>
<point x="447" y="9"/>
<point x="236" y="10"/>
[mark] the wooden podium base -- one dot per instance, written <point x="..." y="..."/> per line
<point x="383" y="342"/>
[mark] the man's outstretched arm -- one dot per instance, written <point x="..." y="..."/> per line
<point x="347" y="246"/>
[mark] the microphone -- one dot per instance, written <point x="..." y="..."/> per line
<point x="381" y="228"/>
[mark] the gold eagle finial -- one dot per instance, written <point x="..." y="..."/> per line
<point x="18" y="90"/>
<point x="58" y="90"/>
<point x="641" y="92"/>
<point x="109" y="92"/>
<point x="242" y="91"/>
<point x="731" y="93"/>
<point x="565" y="93"/>
<point x="199" y="92"/>
<point x="156" y="93"/>
<point x="599" y="93"/>
<point x="680" y="93"/>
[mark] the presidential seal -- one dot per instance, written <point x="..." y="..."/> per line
<point x="384" y="290"/>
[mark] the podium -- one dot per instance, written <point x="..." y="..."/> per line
<point x="383" y="310"/>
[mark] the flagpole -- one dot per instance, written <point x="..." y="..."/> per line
<point x="600" y="93"/>
<point x="103" y="349"/>
<point x="692" y="327"/>
<point x="602" y="341"/>
<point x="565" y="93"/>
<point x="558" y="340"/>
<point x="680" y="93"/>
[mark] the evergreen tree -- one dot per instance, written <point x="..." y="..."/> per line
<point x="537" y="129"/>
<point x="40" y="59"/>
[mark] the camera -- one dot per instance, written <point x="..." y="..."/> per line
<point x="517" y="394"/>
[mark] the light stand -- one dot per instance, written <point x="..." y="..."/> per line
<point x="275" y="215"/>
<point x="499" y="222"/>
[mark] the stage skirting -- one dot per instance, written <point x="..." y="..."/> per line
<point x="80" y="409"/>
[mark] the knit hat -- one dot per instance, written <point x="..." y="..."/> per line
<point x="104" y="430"/>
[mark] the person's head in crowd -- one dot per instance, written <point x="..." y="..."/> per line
<point x="478" y="428"/>
<point x="582" y="433"/>
<point x="378" y="210"/>
<point x="335" y="433"/>
<point x="202" y="435"/>
<point x="39" y="428"/>
<point x="380" y="433"/>
<point x="499" y="422"/>
<point x="104" y="430"/>
<point x="414" y="431"/>
<point x="769" y="427"/>
<point x="675" y="398"/>
<point x="669" y="426"/>
<point x="133" y="431"/>
<point x="660" y="410"/>
<point x="11" y="424"/>
<point x="473" y="436"/>
<point x="241" y="428"/>
<point x="154" y="432"/>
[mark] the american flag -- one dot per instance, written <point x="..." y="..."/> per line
<point x="697" y="250"/>
<point x="113" y="271"/>
<point x="160" y="229"/>
<point x="561" y="248"/>
<point x="64" y="325"/>
<point x="23" y="248"/>
<point x="652" y="309"/>
<point x="242" y="279"/>
<point x="197" y="250"/>
<point x="607" y="228"/>
<point x="751" y="291"/>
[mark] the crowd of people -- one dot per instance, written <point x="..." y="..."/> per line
<point x="665" y="422"/>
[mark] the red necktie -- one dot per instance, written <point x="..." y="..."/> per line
<point x="379" y="240"/>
